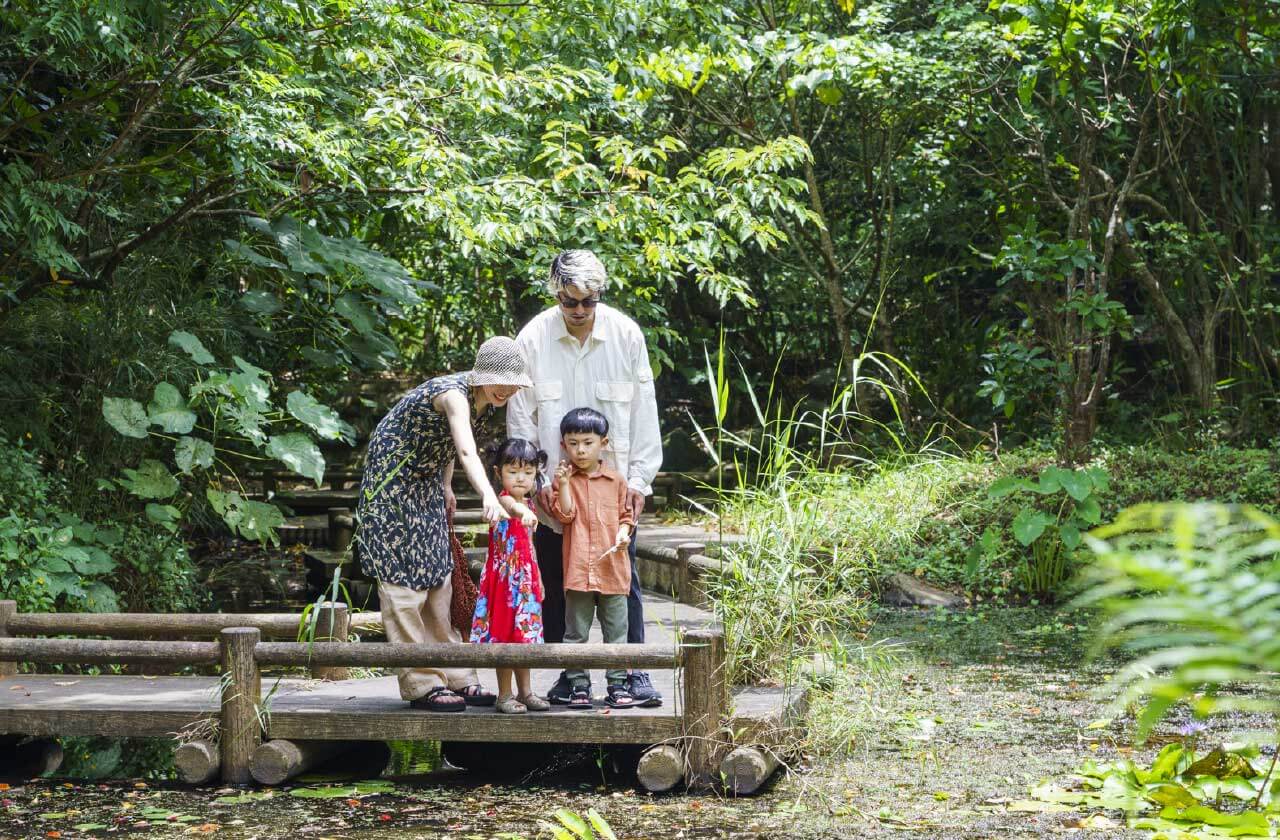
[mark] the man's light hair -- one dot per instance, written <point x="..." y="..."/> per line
<point x="579" y="268"/>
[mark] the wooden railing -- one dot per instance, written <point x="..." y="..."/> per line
<point x="241" y="653"/>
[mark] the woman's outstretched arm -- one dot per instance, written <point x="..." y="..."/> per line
<point x="454" y="406"/>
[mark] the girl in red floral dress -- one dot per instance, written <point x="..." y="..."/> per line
<point x="509" y="603"/>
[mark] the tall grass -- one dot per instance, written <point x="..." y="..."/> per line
<point x="812" y="510"/>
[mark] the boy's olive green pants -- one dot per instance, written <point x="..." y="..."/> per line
<point x="580" y="608"/>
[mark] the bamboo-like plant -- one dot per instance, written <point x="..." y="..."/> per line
<point x="1193" y="591"/>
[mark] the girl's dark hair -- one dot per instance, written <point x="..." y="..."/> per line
<point x="517" y="451"/>
<point x="584" y="421"/>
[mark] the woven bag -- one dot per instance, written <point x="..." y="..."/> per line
<point x="463" y="607"/>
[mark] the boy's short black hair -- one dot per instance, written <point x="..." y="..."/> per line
<point x="584" y="421"/>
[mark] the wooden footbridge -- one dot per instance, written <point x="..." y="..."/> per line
<point x="248" y="706"/>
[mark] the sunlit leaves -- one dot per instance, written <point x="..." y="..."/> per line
<point x="128" y="417"/>
<point x="168" y="410"/>
<point x="323" y="420"/>
<point x="192" y="345"/>
<point x="150" y="480"/>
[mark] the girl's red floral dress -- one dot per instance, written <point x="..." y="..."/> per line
<point x="509" y="604"/>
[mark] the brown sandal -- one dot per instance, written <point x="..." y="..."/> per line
<point x="435" y="701"/>
<point x="477" y="695"/>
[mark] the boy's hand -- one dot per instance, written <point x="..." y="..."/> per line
<point x="624" y="538"/>
<point x="564" y="469"/>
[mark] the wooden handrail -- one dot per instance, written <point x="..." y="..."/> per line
<point x="107" y="652"/>
<point x="389" y="655"/>
<point x="166" y="625"/>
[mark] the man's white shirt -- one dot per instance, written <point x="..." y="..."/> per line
<point x="609" y="372"/>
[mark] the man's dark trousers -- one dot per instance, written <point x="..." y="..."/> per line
<point x="550" y="548"/>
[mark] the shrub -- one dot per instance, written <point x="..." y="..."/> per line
<point x="51" y="558"/>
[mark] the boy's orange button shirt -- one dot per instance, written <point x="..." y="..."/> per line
<point x="599" y="509"/>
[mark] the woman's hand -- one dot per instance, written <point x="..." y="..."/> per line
<point x="493" y="512"/>
<point x="450" y="503"/>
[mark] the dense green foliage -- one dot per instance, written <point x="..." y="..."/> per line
<point x="221" y="220"/>
<point x="52" y="558"/>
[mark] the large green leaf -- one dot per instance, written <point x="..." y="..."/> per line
<point x="244" y="252"/>
<point x="150" y="481"/>
<point x="251" y="520"/>
<point x="260" y="301"/>
<point x="191" y="344"/>
<point x="1077" y="484"/>
<point x="1002" y="487"/>
<point x="166" y="516"/>
<point x="169" y="411"/>
<point x="89" y="560"/>
<point x="190" y="453"/>
<point x="350" y="306"/>
<point x="299" y="453"/>
<point x="1029" y="524"/>
<point x="126" y="416"/>
<point x="323" y="420"/>
<point x="100" y="597"/>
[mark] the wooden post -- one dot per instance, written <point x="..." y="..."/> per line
<point x="706" y="702"/>
<point x="197" y="762"/>
<point x="342" y="526"/>
<point x="268" y="482"/>
<point x="333" y="625"/>
<point x="684" y="581"/>
<point x="241" y="694"/>
<point x="661" y="768"/>
<point x="7" y="610"/>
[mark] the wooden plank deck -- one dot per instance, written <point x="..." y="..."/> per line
<point x="44" y="704"/>
<point x="368" y="709"/>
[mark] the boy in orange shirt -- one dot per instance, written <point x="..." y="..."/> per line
<point x="589" y="498"/>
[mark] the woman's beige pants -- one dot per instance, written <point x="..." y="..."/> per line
<point x="412" y="615"/>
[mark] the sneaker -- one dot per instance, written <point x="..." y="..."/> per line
<point x="561" y="691"/>
<point x="642" y="690"/>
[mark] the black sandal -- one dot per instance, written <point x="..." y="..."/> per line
<point x="476" y="695"/>
<point x="579" y="699"/>
<point x="433" y="701"/>
<point x="619" y="697"/>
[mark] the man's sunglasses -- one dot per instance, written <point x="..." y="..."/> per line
<point x="574" y="303"/>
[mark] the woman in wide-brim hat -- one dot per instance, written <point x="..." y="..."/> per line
<point x="406" y="506"/>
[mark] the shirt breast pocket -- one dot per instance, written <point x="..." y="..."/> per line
<point x="615" y="403"/>
<point x="548" y="394"/>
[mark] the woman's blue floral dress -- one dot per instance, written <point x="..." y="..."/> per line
<point x="403" y="537"/>
<point x="509" y="605"/>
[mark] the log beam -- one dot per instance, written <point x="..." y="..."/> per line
<point x="745" y="769"/>
<point x="279" y="760"/>
<point x="447" y="655"/>
<point x="198" y="762"/>
<point x="661" y="768"/>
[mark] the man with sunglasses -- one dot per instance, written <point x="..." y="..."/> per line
<point x="585" y="354"/>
